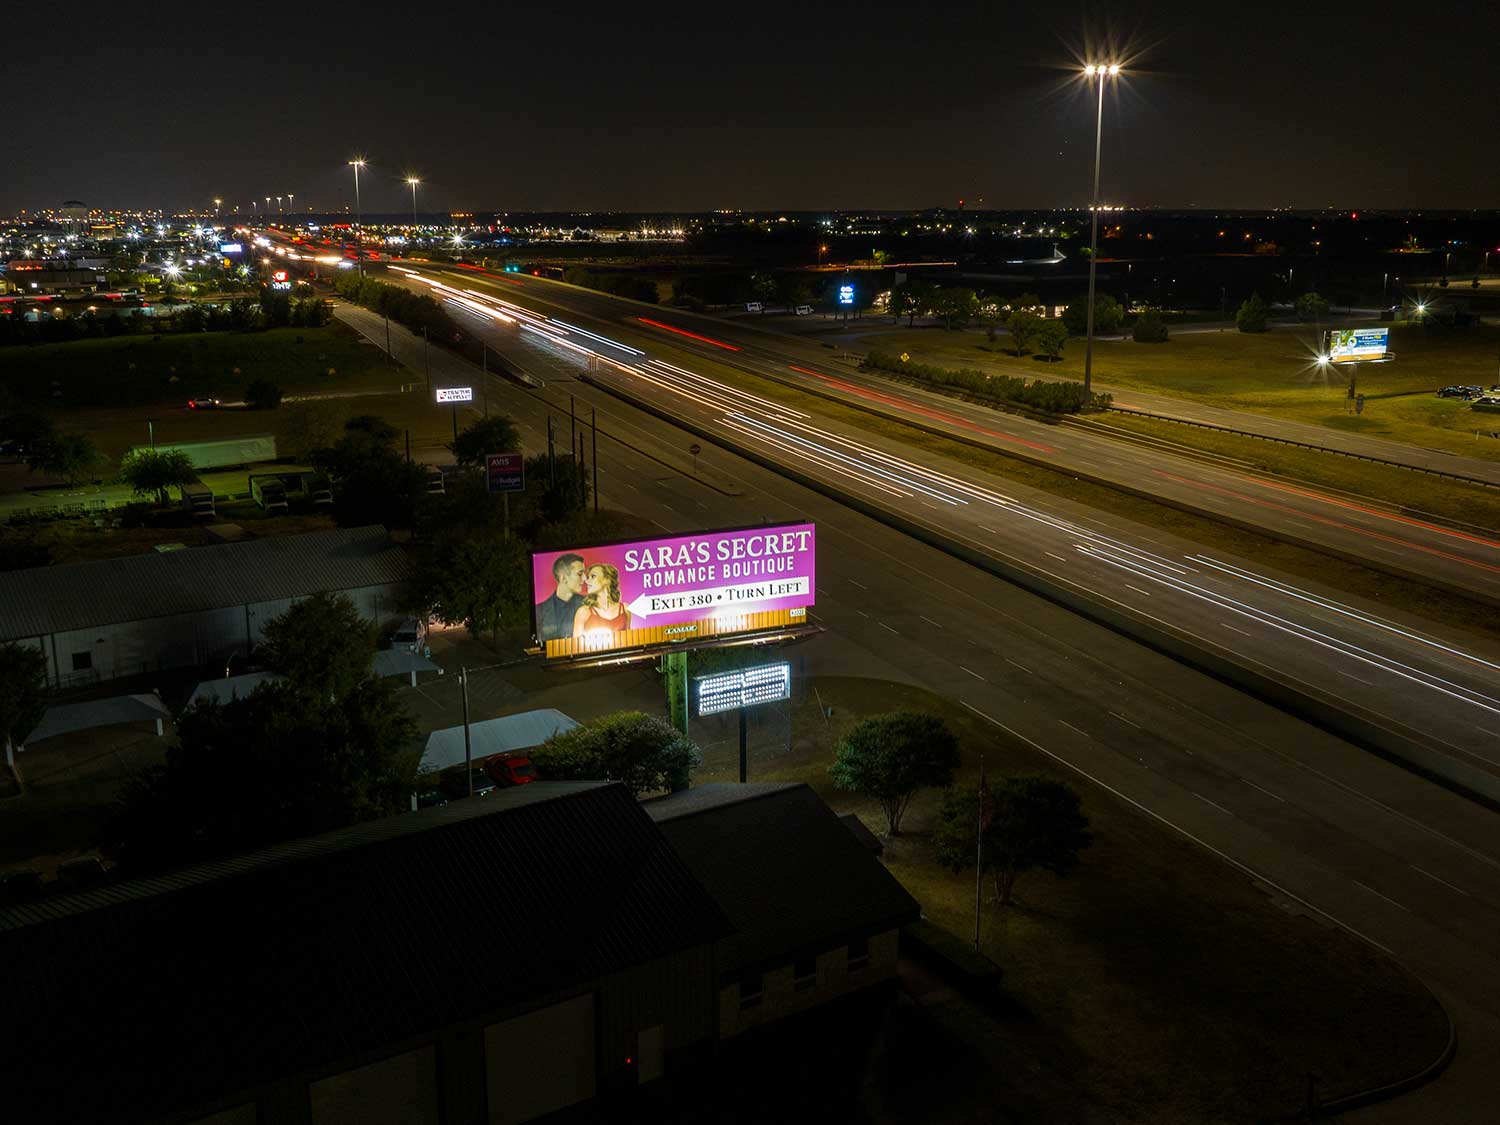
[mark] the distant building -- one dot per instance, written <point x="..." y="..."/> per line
<point x="123" y="617"/>
<point x="493" y="960"/>
<point x="34" y="278"/>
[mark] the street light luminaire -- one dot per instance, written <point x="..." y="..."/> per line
<point x="1099" y="71"/>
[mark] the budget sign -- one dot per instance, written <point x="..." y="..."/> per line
<point x="625" y="595"/>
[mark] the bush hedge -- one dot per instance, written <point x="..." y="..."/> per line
<point x="1052" y="398"/>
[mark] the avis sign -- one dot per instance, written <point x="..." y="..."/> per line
<point x="505" y="472"/>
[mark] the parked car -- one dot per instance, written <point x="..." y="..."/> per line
<point x="803" y="310"/>
<point x="409" y="635"/>
<point x="1451" y="392"/>
<point x="456" y="785"/>
<point x="507" y="770"/>
<point x="203" y="402"/>
<point x="431" y="798"/>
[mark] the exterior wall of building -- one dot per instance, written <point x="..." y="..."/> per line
<point x="400" y="1090"/>
<point x="673" y="993"/>
<point x="131" y="648"/>
<point x="540" y="1062"/>
<point x="783" y="992"/>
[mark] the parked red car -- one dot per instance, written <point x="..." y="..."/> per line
<point x="510" y="769"/>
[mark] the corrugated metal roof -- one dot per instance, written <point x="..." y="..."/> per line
<point x="494" y="736"/>
<point x="166" y="993"/>
<point x="55" y="599"/>
<point x="783" y="868"/>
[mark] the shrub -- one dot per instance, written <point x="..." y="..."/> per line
<point x="263" y="394"/>
<point x="1252" y="315"/>
<point x="1149" y="328"/>
<point x="1051" y="397"/>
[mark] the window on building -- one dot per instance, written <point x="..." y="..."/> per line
<point x="859" y="954"/>
<point x="83" y="661"/>
<point x="752" y="990"/>
<point x="804" y="973"/>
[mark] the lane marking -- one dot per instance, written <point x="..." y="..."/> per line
<point x="1377" y="894"/>
<point x="1263" y="789"/>
<point x="1138" y="590"/>
<point x="1232" y="629"/>
<point x="929" y="621"/>
<point x="1124" y="720"/>
<point x="1440" y="879"/>
<point x="1202" y="843"/>
<point x="973" y="673"/>
<point x="883" y="625"/>
<point x="1071" y="727"/>
<point x="1059" y="558"/>
<point x="856" y="582"/>
<point x="1023" y="667"/>
<point x="1215" y="804"/>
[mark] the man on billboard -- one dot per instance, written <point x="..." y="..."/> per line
<point x="555" y="615"/>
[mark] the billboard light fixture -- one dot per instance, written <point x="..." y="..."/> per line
<point x="747" y="687"/>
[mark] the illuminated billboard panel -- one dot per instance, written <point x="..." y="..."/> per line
<point x="1351" y="345"/>
<point x="625" y="595"/>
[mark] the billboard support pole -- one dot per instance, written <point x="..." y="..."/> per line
<point x="572" y="427"/>
<point x="551" y="456"/>
<point x="677" y="688"/>
<point x="484" y="360"/>
<point x="463" y="683"/>
<point x="594" y="428"/>
<point x="742" y="744"/>
<point x="583" y="478"/>
<point x="455" y="422"/>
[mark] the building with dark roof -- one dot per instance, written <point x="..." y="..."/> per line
<point x="122" y="617"/>
<point x="492" y="960"/>
<point x="814" y="914"/>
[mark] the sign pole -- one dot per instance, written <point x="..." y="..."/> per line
<point x="426" y="360"/>
<point x="979" y="853"/>
<point x="594" y="427"/>
<point x="463" y="683"/>
<point x="484" y="359"/>
<point x="455" y="422"/>
<point x="505" y="500"/>
<point x="742" y="744"/>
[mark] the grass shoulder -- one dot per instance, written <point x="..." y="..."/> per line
<point x="1178" y="989"/>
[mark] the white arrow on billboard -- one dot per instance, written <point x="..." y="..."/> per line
<point x="743" y="596"/>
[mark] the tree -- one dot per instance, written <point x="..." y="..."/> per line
<point x="890" y="757"/>
<point x="372" y="482"/>
<point x="1149" y="328"/>
<point x="1252" y="315"/>
<point x="263" y="394"/>
<point x="74" y="457"/>
<point x="642" y="752"/>
<point x="911" y="300"/>
<point x="558" y="486"/>
<point x="495" y="434"/>
<point x="955" y="305"/>
<point x="1051" y="335"/>
<point x="1034" y="822"/>
<point x="483" y="580"/>
<point x="26" y="430"/>
<point x="763" y="288"/>
<point x="321" y="645"/>
<point x="1311" y="307"/>
<point x="150" y="471"/>
<point x="1109" y="315"/>
<point x="1024" y="323"/>
<point x="23" y="694"/>
<point x="277" y="765"/>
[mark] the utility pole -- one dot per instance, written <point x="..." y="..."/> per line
<point x="979" y="855"/>
<point x="463" y="683"/>
<point x="551" y="456"/>
<point x="390" y="357"/>
<point x="426" y="360"/>
<point x="594" y="428"/>
<point x="484" y="359"/>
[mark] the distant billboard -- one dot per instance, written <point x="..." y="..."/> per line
<point x="231" y="248"/>
<point x="455" y="394"/>
<point x="1352" y="345"/>
<point x="846" y="294"/>
<point x="715" y="583"/>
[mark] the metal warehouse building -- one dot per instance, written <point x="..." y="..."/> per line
<point x="123" y="617"/>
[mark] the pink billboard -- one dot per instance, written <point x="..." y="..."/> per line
<point x="618" y="595"/>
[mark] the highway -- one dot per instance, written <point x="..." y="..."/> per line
<point x="1393" y="674"/>
<point x="1466" y="560"/>
<point x="1323" y="826"/>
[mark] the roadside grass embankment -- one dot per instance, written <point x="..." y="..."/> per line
<point x="1273" y="373"/>
<point x="1163" y="983"/>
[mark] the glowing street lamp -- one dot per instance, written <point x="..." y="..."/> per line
<point x="412" y="182"/>
<point x="359" y="254"/>
<point x="1101" y="71"/>
<point x="289" y="198"/>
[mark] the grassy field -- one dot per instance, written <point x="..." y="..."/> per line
<point x="1271" y="373"/>
<point x="167" y="370"/>
<point x="1177" y="990"/>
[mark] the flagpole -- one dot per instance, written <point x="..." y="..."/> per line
<point x="978" y="852"/>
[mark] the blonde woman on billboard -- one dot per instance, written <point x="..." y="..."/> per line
<point x="602" y="611"/>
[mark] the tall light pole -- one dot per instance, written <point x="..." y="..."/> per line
<point x="1099" y="71"/>
<point x="412" y="182"/>
<point x="289" y="198"/>
<point x="218" y="206"/>
<point x="268" y="208"/>
<point x="359" y="253"/>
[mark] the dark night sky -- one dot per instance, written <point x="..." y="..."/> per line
<point x="805" y="106"/>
